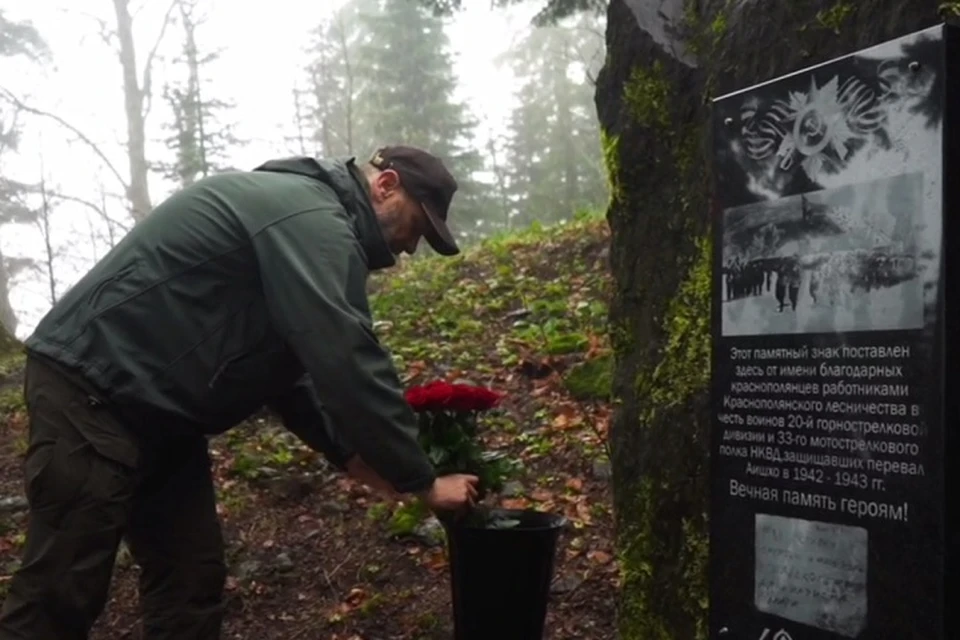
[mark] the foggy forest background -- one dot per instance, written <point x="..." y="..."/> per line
<point x="367" y="73"/>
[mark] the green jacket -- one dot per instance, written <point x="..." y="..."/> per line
<point x="239" y="292"/>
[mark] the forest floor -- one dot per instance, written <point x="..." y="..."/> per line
<point x="313" y="555"/>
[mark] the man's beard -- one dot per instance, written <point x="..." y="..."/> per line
<point x="390" y="227"/>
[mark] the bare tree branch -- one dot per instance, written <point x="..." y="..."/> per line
<point x="98" y="209"/>
<point x="8" y="134"/>
<point x="147" y="84"/>
<point x="105" y="32"/>
<point x="138" y="9"/>
<point x="12" y="99"/>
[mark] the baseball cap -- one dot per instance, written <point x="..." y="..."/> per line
<point x="425" y="178"/>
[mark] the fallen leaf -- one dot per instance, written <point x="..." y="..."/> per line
<point x="596" y="346"/>
<point x="537" y="392"/>
<point x="540" y="494"/>
<point x="414" y="369"/>
<point x="356" y="597"/>
<point x="435" y="560"/>
<point x="567" y="420"/>
<point x="600" y="557"/>
<point x="574" y="484"/>
<point x="514" y="503"/>
<point x="583" y="512"/>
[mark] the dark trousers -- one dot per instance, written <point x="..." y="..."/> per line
<point x="91" y="483"/>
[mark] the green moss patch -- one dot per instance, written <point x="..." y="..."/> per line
<point x="647" y="96"/>
<point x="591" y="379"/>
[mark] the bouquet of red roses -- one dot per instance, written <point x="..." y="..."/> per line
<point x="448" y="415"/>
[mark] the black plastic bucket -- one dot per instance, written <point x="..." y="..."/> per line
<point x="500" y="577"/>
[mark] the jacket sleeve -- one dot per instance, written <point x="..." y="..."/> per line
<point x="314" y="277"/>
<point x="303" y="414"/>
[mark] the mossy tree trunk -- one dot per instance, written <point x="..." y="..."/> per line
<point x="665" y="60"/>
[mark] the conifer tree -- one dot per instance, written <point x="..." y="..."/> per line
<point x="554" y="153"/>
<point x="201" y="135"/>
<point x="383" y="74"/>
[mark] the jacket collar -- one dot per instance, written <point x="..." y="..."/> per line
<point x="350" y="185"/>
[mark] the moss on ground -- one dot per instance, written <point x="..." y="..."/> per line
<point x="539" y="291"/>
<point x="11" y="401"/>
<point x="12" y="359"/>
<point x="591" y="379"/>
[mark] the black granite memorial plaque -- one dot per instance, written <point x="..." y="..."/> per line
<point x="832" y="383"/>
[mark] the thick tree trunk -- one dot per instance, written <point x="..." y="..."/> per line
<point x="665" y="60"/>
<point x="138" y="190"/>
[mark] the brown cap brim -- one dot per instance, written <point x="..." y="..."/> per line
<point x="438" y="235"/>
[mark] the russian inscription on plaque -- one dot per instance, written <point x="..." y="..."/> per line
<point x="828" y="385"/>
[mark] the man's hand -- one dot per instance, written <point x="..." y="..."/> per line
<point x="454" y="492"/>
<point x="451" y="493"/>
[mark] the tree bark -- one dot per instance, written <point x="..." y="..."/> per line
<point x="348" y="71"/>
<point x="138" y="190"/>
<point x="665" y="60"/>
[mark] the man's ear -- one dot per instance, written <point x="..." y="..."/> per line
<point x="388" y="181"/>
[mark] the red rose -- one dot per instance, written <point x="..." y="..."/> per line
<point x="434" y="396"/>
<point x="439" y="394"/>
<point x="443" y="396"/>
<point x="470" y="398"/>
<point x="414" y="397"/>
